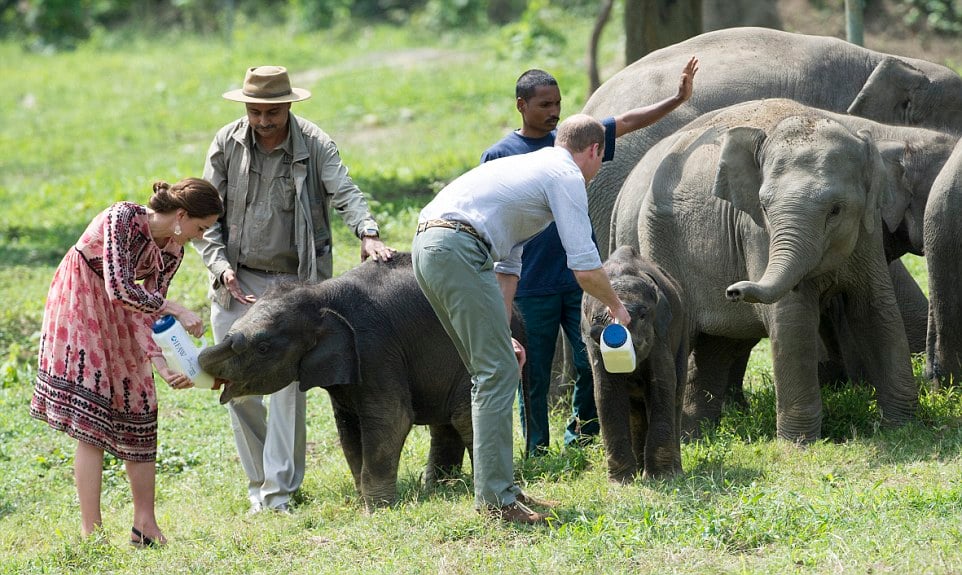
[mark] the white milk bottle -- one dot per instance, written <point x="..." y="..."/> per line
<point x="180" y="351"/>
<point x="617" y="352"/>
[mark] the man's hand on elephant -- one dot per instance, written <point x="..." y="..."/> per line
<point x="372" y="247"/>
<point x="687" y="79"/>
<point x="229" y="279"/>
<point x="519" y="352"/>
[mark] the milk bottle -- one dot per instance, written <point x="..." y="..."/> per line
<point x="617" y="352"/>
<point x="180" y="351"/>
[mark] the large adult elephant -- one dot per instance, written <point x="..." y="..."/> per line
<point x="371" y="339"/>
<point x="943" y="256"/>
<point x="763" y="212"/>
<point x="741" y="64"/>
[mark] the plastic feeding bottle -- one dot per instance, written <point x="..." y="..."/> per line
<point x="617" y="352"/>
<point x="180" y="351"/>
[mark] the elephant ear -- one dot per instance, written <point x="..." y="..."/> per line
<point x="879" y="185"/>
<point x="889" y="92"/>
<point x="896" y="201"/>
<point x="334" y="359"/>
<point x="664" y="315"/>
<point x="738" y="178"/>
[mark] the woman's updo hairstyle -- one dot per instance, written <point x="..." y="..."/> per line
<point x="199" y="198"/>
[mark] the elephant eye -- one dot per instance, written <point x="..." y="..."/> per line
<point x="263" y="347"/>
<point x="836" y="210"/>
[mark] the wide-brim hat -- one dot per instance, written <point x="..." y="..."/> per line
<point x="267" y="85"/>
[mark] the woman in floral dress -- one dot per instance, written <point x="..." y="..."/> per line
<point x="95" y="381"/>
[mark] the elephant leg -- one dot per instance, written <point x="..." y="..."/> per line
<point x="913" y="305"/>
<point x="638" y="429"/>
<point x="611" y="400"/>
<point x="943" y="362"/>
<point x="383" y="440"/>
<point x="445" y="456"/>
<point x="879" y="336"/>
<point x="793" y="331"/>
<point x="735" y="393"/>
<point x="349" y="434"/>
<point x="709" y="369"/>
<point x="943" y="236"/>
<point x="841" y="362"/>
<point x="662" y="448"/>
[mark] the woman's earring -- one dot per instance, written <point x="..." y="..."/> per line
<point x="177" y="230"/>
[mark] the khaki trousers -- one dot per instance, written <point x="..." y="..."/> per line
<point x="271" y="441"/>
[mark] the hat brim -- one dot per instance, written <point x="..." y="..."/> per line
<point x="296" y="95"/>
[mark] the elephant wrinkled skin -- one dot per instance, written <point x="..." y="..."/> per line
<point x="370" y="338"/>
<point x="763" y="212"/>
<point x="640" y="412"/>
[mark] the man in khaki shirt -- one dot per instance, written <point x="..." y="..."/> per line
<point x="279" y="176"/>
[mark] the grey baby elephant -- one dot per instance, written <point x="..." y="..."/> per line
<point x="370" y="338"/>
<point x="640" y="412"/>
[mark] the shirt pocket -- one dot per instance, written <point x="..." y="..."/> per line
<point x="282" y="193"/>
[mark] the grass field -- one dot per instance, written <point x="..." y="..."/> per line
<point x="81" y="130"/>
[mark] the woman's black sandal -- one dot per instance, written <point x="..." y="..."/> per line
<point x="141" y="540"/>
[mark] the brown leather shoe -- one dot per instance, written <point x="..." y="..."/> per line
<point x="526" y="499"/>
<point x="517" y="513"/>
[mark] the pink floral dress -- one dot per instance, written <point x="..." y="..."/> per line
<point x="95" y="380"/>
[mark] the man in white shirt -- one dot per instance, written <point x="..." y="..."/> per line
<point x="467" y="260"/>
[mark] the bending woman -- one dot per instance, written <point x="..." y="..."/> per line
<point x="95" y="381"/>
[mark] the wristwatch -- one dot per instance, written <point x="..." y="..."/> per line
<point x="369" y="232"/>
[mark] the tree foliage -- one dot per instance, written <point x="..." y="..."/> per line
<point x="64" y="24"/>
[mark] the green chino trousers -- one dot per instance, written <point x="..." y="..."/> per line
<point x="456" y="274"/>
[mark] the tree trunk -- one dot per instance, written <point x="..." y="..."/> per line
<point x="594" y="79"/>
<point x="854" y="28"/>
<point x="654" y="24"/>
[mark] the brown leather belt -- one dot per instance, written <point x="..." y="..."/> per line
<point x="451" y="225"/>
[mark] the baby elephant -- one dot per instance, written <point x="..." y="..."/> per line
<point x="640" y="412"/>
<point x="370" y="338"/>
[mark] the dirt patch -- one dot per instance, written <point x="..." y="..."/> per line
<point x="885" y="31"/>
<point x="394" y="60"/>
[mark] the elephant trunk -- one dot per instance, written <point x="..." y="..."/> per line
<point x="791" y="257"/>
<point x="213" y="357"/>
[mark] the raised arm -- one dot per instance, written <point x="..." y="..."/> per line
<point x="646" y="115"/>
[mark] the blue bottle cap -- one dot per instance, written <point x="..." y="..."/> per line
<point x="164" y="323"/>
<point x="615" y="335"/>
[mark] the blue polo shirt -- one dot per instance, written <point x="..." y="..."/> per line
<point x="544" y="269"/>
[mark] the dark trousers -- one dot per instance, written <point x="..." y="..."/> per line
<point x="543" y="316"/>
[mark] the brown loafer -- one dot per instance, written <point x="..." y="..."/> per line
<point x="517" y="513"/>
<point x="526" y="499"/>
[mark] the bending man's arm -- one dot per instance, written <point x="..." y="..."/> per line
<point x="509" y="285"/>
<point x="595" y="283"/>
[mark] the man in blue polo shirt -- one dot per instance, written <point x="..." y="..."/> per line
<point x="548" y="295"/>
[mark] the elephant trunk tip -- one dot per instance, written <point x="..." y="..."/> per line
<point x="747" y="292"/>
<point x="752" y="292"/>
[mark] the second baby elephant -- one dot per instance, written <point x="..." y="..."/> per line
<point x="640" y="412"/>
<point x="370" y="338"/>
<point x="764" y="212"/>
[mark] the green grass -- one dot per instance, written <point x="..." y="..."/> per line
<point x="80" y="130"/>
